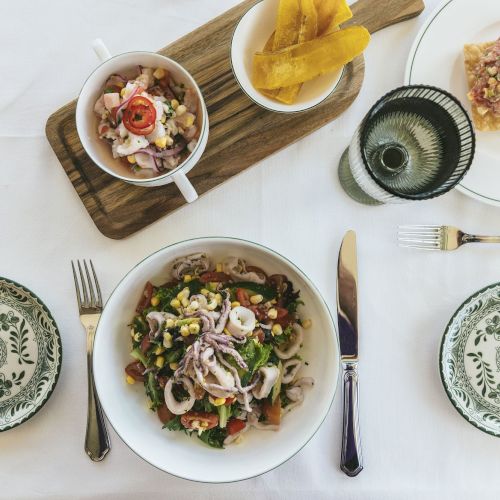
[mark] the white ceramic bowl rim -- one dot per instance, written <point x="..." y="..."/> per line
<point x="318" y="296"/>
<point x="261" y="104"/>
<point x="202" y="107"/>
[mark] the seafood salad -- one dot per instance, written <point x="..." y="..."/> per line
<point x="149" y="120"/>
<point x="218" y="349"/>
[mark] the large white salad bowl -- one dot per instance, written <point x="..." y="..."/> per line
<point x="188" y="457"/>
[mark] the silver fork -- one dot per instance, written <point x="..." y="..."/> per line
<point x="90" y="307"/>
<point x="438" y="237"/>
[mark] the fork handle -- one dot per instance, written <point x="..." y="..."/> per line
<point x="97" y="443"/>
<point x="472" y="238"/>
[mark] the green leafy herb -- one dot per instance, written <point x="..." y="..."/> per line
<point x="174" y="356"/>
<point x="224" y="414"/>
<point x="280" y="339"/>
<point x="174" y="424"/>
<point x="214" y="437"/>
<point x="255" y="355"/>
<point x="139" y="356"/>
<point x="292" y="306"/>
<point x="153" y="391"/>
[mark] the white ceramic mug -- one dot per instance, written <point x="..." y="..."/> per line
<point x="100" y="151"/>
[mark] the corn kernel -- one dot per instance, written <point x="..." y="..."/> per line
<point x="185" y="302"/>
<point x="185" y="330"/>
<point x="132" y="332"/>
<point x="122" y="91"/>
<point x="194" y="328"/>
<point x="167" y="340"/>
<point x="155" y="301"/>
<point x="277" y="329"/>
<point x="174" y="103"/>
<point x="272" y="313"/>
<point x="256" y="299"/>
<point x="161" y="142"/>
<point x="204" y="424"/>
<point x="213" y="285"/>
<point x="307" y="323"/>
<point x="159" y="350"/>
<point x="235" y="304"/>
<point x="189" y="121"/>
<point x="227" y="332"/>
<point x="218" y="298"/>
<point x="173" y="366"/>
<point x="137" y="337"/>
<point x="219" y="401"/>
<point x="163" y="119"/>
<point x="180" y="110"/>
<point x="218" y="267"/>
<point x="130" y="380"/>
<point x="175" y="303"/>
<point x="170" y="323"/>
<point x="131" y="159"/>
<point x="188" y="278"/>
<point x="160" y="361"/>
<point x="159" y="73"/>
<point x="204" y="292"/>
<point x="183" y="294"/>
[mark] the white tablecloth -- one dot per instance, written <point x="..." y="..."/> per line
<point x="415" y="443"/>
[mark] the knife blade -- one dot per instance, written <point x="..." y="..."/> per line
<point x="347" y="316"/>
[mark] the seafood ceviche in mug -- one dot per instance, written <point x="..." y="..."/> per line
<point x="148" y="119"/>
<point x="218" y="349"/>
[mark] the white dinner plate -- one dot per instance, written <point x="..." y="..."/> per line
<point x="174" y="452"/>
<point x="436" y="58"/>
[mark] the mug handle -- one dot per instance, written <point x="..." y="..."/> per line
<point x="185" y="186"/>
<point x="101" y="50"/>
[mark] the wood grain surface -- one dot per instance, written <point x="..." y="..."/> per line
<point x="241" y="133"/>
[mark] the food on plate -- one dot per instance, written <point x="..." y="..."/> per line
<point x="218" y="349"/>
<point x="305" y="61"/>
<point x="149" y="119"/>
<point x="482" y="64"/>
<point x="296" y="50"/>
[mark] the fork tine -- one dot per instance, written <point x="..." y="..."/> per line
<point x="420" y="247"/>
<point x="84" y="286"/>
<point x="418" y="233"/>
<point x="420" y="226"/>
<point x="91" y="286"/>
<point x="77" y="288"/>
<point x="428" y="241"/>
<point x="99" y="297"/>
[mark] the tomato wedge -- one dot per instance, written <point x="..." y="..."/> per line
<point x="164" y="414"/>
<point x="199" y="420"/>
<point x="135" y="370"/>
<point x="145" y="298"/>
<point x="215" y="277"/>
<point x="242" y="297"/>
<point x="272" y="411"/>
<point x="139" y="116"/>
<point x="235" y="425"/>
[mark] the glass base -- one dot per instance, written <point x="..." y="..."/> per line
<point x="350" y="186"/>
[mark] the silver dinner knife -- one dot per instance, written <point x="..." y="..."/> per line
<point x="351" y="461"/>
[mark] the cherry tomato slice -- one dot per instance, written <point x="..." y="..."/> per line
<point x="202" y="417"/>
<point x="145" y="298"/>
<point x="235" y="425"/>
<point x="164" y="414"/>
<point x="272" y="412"/>
<point x="139" y="116"/>
<point x="135" y="370"/>
<point x="215" y="277"/>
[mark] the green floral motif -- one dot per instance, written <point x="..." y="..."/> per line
<point x="493" y="328"/>
<point x="7" y="384"/>
<point x="485" y="379"/>
<point x="18" y="336"/>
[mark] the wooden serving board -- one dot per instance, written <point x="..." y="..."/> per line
<point x="241" y="133"/>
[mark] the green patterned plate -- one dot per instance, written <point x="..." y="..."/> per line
<point x="30" y="354"/>
<point x="470" y="359"/>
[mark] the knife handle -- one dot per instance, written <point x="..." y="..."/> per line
<point x="351" y="461"/>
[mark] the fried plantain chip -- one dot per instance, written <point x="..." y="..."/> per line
<point x="307" y="31"/>
<point x="331" y="13"/>
<point x="287" y="24"/>
<point x="304" y="61"/>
